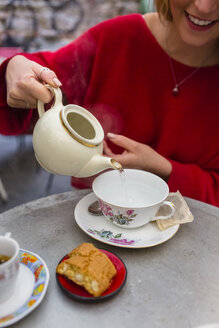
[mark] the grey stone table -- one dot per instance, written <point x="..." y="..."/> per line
<point x="172" y="285"/>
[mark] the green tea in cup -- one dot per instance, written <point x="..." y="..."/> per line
<point x="4" y="258"/>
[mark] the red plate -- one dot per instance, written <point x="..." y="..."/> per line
<point x="79" y="293"/>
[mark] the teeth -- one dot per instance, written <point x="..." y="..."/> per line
<point x="199" y="22"/>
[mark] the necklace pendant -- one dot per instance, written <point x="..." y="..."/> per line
<point x="175" y="90"/>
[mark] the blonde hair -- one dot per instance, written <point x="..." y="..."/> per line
<point x="163" y="8"/>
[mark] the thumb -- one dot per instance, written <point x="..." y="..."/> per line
<point x="121" y="141"/>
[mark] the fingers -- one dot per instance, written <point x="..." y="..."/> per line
<point x="39" y="91"/>
<point x="124" y="158"/>
<point x="28" y="92"/>
<point x="17" y="103"/>
<point x="25" y="83"/>
<point x="122" y="141"/>
<point x="107" y="150"/>
<point x="46" y="75"/>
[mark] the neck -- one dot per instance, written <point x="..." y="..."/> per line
<point x="167" y="36"/>
<point x="190" y="55"/>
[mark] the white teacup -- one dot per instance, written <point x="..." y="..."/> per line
<point x="132" y="198"/>
<point x="10" y="268"/>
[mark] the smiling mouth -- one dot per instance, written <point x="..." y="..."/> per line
<point x="200" y="22"/>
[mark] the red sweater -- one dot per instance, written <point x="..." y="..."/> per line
<point x="120" y="73"/>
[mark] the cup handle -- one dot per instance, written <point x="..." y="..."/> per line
<point x="57" y="100"/>
<point x="8" y="234"/>
<point x="164" y="217"/>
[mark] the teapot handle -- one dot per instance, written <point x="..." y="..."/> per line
<point x="57" y="100"/>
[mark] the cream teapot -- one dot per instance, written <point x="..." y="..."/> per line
<point x="68" y="140"/>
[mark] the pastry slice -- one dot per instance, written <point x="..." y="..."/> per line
<point x="87" y="266"/>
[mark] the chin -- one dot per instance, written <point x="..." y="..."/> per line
<point x="197" y="38"/>
<point x="198" y="42"/>
<point x="194" y="42"/>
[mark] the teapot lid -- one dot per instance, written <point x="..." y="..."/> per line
<point x="82" y="125"/>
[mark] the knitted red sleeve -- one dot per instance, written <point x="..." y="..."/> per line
<point x="12" y="121"/>
<point x="194" y="182"/>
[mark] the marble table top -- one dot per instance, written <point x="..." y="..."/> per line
<point x="171" y="285"/>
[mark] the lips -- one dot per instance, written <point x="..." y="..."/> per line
<point x="199" y="24"/>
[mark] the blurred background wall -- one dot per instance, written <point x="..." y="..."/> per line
<point x="49" y="24"/>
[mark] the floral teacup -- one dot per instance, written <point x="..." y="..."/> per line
<point x="131" y="198"/>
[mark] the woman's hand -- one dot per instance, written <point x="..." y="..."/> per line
<point x="138" y="156"/>
<point x="25" y="79"/>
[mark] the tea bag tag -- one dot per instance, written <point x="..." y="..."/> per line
<point x="182" y="212"/>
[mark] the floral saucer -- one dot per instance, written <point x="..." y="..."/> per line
<point x="99" y="228"/>
<point x="30" y="289"/>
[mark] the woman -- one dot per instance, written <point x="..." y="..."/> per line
<point x="152" y="81"/>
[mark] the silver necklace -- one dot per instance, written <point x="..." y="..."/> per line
<point x="175" y="90"/>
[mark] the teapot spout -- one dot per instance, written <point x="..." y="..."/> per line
<point x="97" y="164"/>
